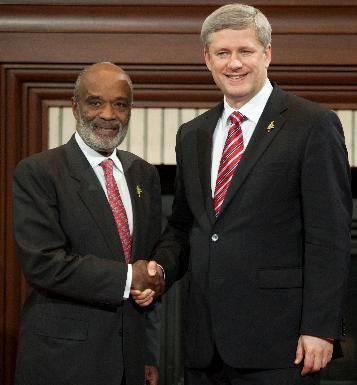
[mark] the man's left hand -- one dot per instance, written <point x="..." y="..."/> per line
<point x="151" y="375"/>
<point x="316" y="353"/>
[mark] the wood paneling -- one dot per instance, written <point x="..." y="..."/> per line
<point x="44" y="44"/>
<point x="164" y="49"/>
<point x="300" y="19"/>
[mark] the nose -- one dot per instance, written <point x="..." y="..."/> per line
<point x="234" y="62"/>
<point x="107" y="112"/>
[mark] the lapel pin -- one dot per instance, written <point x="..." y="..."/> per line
<point x="271" y="126"/>
<point x="138" y="190"/>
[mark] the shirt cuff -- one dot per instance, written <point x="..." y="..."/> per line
<point x="129" y="277"/>
<point x="163" y="271"/>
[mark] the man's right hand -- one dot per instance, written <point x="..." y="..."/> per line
<point x="147" y="282"/>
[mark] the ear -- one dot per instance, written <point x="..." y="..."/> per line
<point x="207" y="58"/>
<point x="267" y="53"/>
<point x="75" y="108"/>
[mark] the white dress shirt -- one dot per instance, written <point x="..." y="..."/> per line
<point x="94" y="159"/>
<point x="252" y="110"/>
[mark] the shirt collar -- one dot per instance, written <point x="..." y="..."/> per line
<point x="253" y="108"/>
<point x="93" y="157"/>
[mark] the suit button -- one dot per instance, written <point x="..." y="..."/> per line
<point x="120" y="332"/>
<point x="215" y="237"/>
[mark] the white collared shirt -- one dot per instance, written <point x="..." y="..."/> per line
<point x="94" y="159"/>
<point x="252" y="110"/>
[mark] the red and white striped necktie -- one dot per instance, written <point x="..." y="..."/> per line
<point x="232" y="153"/>
<point x="117" y="207"/>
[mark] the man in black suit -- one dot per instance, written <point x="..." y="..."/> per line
<point x="84" y="213"/>
<point x="261" y="220"/>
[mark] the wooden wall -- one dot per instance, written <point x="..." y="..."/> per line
<point x="44" y="44"/>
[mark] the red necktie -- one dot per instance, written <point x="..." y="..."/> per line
<point x="232" y="154"/>
<point x="117" y="207"/>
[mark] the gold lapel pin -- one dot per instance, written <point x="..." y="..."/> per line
<point x="271" y="126"/>
<point x="139" y="190"/>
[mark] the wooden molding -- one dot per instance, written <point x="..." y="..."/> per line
<point x="123" y="17"/>
<point x="130" y="32"/>
<point x="175" y="49"/>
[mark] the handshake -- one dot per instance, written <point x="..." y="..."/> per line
<point x="147" y="282"/>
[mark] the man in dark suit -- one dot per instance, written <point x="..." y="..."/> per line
<point x="261" y="220"/>
<point x="84" y="213"/>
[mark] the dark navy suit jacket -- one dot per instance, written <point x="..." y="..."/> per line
<point x="274" y="264"/>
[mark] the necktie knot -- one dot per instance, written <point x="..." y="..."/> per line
<point x="107" y="165"/>
<point x="237" y="118"/>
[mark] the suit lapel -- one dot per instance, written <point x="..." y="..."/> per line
<point x="204" y="150"/>
<point x="93" y="197"/>
<point x="267" y="128"/>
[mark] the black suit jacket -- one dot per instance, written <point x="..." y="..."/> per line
<point x="76" y="328"/>
<point x="274" y="264"/>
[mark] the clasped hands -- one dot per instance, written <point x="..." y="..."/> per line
<point x="147" y="282"/>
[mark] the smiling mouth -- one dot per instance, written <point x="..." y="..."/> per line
<point x="235" y="76"/>
<point x="106" y="127"/>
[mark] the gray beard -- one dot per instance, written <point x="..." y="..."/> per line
<point x="86" y="130"/>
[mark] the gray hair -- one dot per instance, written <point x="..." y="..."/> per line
<point x="238" y="17"/>
<point x="77" y="84"/>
